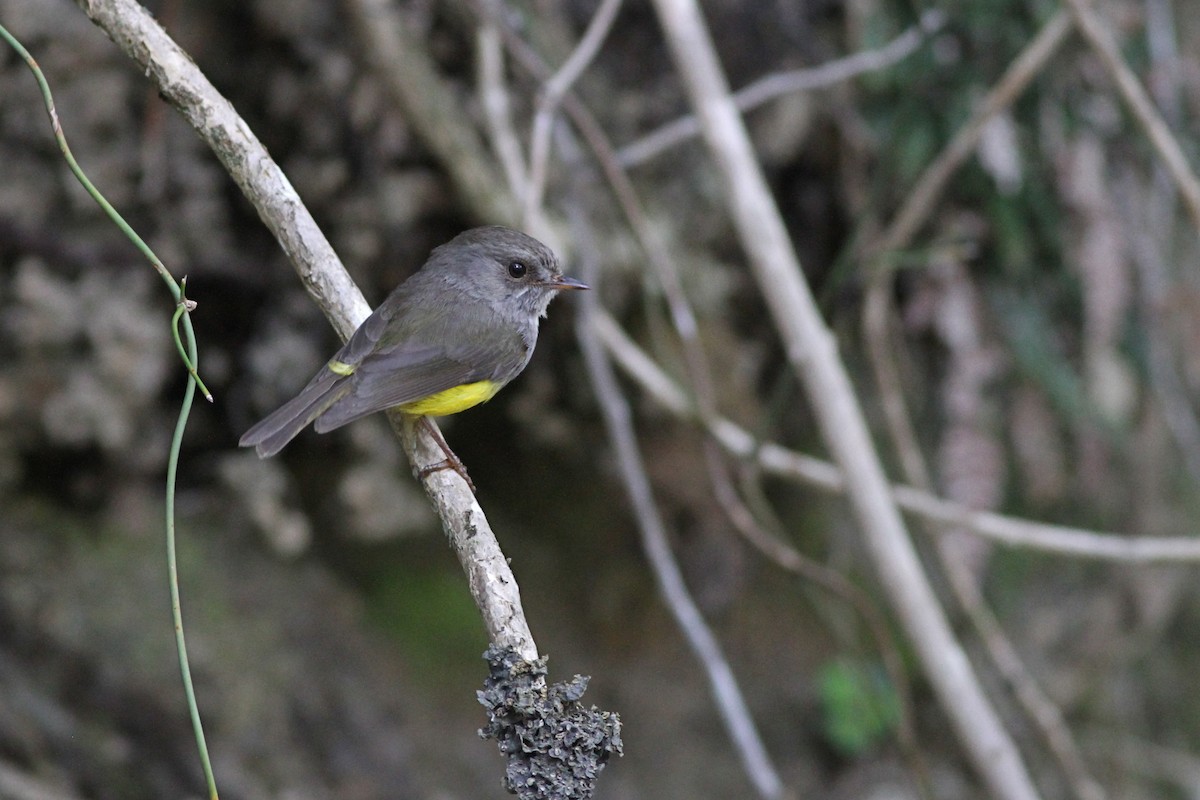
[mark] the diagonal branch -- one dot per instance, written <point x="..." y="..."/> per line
<point x="778" y="84"/>
<point x="1140" y="105"/>
<point x="812" y="352"/>
<point x="774" y="459"/>
<point x="619" y="420"/>
<point x="404" y="67"/>
<point x="180" y="81"/>
<point x="553" y="91"/>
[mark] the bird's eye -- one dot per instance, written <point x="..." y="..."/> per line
<point x="517" y="269"/>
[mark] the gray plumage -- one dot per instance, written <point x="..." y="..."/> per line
<point x="469" y="314"/>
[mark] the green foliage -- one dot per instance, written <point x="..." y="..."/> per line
<point x="860" y="706"/>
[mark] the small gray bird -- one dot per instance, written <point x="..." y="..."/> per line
<point x="446" y="339"/>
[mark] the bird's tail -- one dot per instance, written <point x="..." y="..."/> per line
<point x="273" y="433"/>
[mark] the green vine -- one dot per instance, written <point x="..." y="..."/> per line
<point x="188" y="354"/>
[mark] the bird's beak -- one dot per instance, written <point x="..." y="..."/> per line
<point x="567" y="283"/>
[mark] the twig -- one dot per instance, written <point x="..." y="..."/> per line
<point x="502" y="132"/>
<point x="184" y="86"/>
<point x="618" y="419"/>
<point x="552" y="94"/>
<point x="403" y="64"/>
<point x="722" y="681"/>
<point x="812" y="353"/>
<point x="772" y="546"/>
<point x="493" y="96"/>
<point x="663" y="265"/>
<point x="1140" y="105"/>
<point x="777" y="460"/>
<point x="773" y="86"/>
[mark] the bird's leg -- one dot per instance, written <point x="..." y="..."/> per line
<point x="450" y="462"/>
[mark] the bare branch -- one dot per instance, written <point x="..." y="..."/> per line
<point x="1140" y="105"/>
<point x="553" y="91"/>
<point x="772" y="458"/>
<point x="494" y="97"/>
<point x="178" y="79"/>
<point x="770" y="87"/>
<point x="811" y="350"/>
<point x="619" y="420"/>
<point x="407" y="71"/>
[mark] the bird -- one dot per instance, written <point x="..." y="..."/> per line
<point x="446" y="339"/>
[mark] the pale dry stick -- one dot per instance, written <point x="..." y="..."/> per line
<point x="619" y="420"/>
<point x="503" y="135"/>
<point x="497" y="109"/>
<point x="551" y="97"/>
<point x="408" y="73"/>
<point x="684" y="321"/>
<point x="774" y="459"/>
<point x="812" y="352"/>
<point x="771" y="87"/>
<point x="682" y="316"/>
<point x="177" y="78"/>
<point x="1140" y="105"/>
<point x="726" y="693"/>
<point x="771" y="545"/>
<point x="1044" y="711"/>
<point x="877" y="316"/>
<point x="1057" y="540"/>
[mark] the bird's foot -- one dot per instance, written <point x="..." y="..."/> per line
<point x="448" y="463"/>
<point x="451" y="461"/>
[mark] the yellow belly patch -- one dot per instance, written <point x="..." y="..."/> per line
<point x="452" y="401"/>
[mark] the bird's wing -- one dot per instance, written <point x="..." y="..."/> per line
<point x="410" y="372"/>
